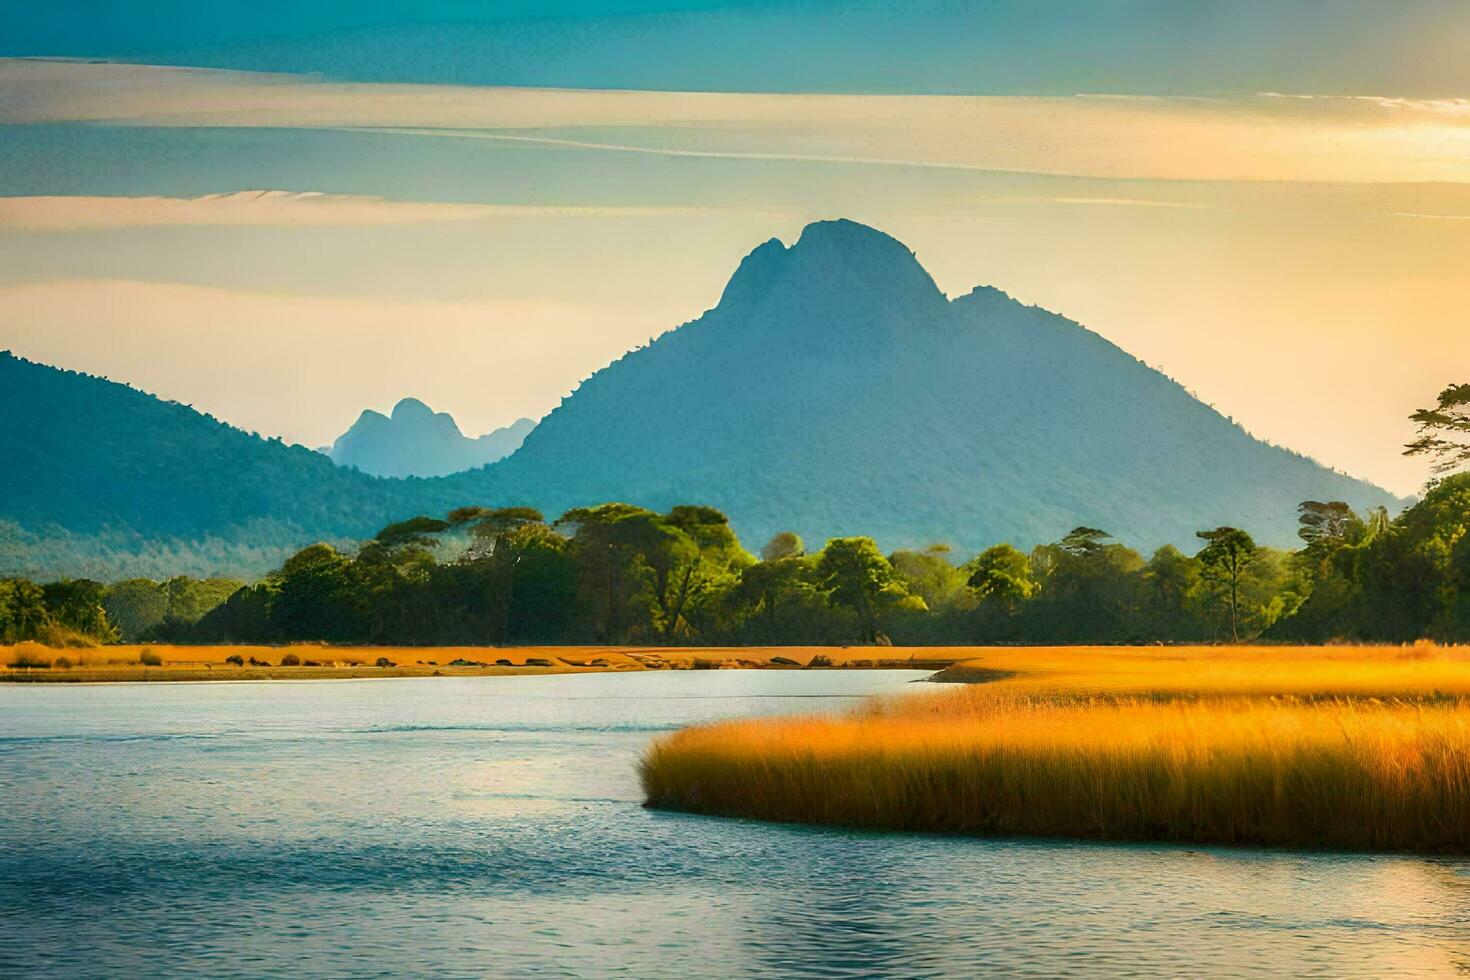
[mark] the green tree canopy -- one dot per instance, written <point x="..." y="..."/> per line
<point x="854" y="573"/>
<point x="783" y="544"/>
<point x="1001" y="574"/>
<point x="1444" y="431"/>
<point x="1228" y="551"/>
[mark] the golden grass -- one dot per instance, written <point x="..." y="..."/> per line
<point x="26" y="662"/>
<point x="1362" y="748"/>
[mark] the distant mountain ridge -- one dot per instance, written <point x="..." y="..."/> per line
<point x="833" y="390"/>
<point x="417" y="441"/>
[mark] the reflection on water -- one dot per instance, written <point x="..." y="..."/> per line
<point x="490" y="826"/>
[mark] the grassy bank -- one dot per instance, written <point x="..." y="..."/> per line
<point x="33" y="663"/>
<point x="1332" y="747"/>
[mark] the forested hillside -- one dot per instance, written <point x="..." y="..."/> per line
<point x="101" y="479"/>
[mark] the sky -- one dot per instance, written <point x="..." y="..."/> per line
<point x="284" y="214"/>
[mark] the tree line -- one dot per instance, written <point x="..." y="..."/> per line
<point x="82" y="611"/>
<point x="618" y="573"/>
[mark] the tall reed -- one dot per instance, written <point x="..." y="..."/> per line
<point x="1365" y="758"/>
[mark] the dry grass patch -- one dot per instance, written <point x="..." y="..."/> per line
<point x="1329" y="747"/>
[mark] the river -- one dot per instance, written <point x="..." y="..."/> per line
<point x="491" y="826"/>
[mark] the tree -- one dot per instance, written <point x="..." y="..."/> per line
<point x="783" y="544"/>
<point x="1083" y="542"/>
<point x="1329" y="525"/>
<point x="1416" y="577"/>
<point x="615" y="581"/>
<point x="1227" y="553"/>
<point x="1444" y="431"/>
<point x="315" y="601"/>
<point x="1001" y="574"/>
<point x="1087" y="589"/>
<point x="854" y="573"/>
<point x="190" y="598"/>
<point x="929" y="574"/>
<point x="769" y="586"/>
<point x="22" y="610"/>
<point x="499" y="538"/>
<point x="420" y="532"/>
<point x="137" y="607"/>
<point x="1169" y="596"/>
<point x="717" y="569"/>
<point x="77" y="605"/>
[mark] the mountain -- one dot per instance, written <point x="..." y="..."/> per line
<point x="836" y="390"/>
<point x="417" y="441"/>
<point x="103" y="480"/>
<point x="833" y="390"/>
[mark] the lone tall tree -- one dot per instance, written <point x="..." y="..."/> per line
<point x="1444" y="431"/>
<point x="1226" y="555"/>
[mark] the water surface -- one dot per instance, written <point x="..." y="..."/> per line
<point x="491" y="826"/>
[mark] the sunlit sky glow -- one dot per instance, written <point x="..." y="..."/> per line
<point x="282" y="231"/>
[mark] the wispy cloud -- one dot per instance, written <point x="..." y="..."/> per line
<point x="1259" y="137"/>
<point x="1127" y="202"/>
<point x="1446" y="107"/>
<point x="1433" y="217"/>
<point x="268" y="209"/>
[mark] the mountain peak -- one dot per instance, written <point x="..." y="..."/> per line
<point x="836" y="390"/>
<point x="418" y="441"/>
<point x="411" y="409"/>
<point x="847" y="235"/>
<point x="834" y="259"/>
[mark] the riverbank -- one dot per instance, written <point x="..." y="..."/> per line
<point x="1336" y="747"/>
<point x="33" y="663"/>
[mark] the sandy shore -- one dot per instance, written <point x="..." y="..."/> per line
<point x="33" y="663"/>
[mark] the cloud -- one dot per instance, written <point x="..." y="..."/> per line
<point x="1435" y="217"/>
<point x="274" y="208"/>
<point x="1130" y="202"/>
<point x="1256" y="137"/>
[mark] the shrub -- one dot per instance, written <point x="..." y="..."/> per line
<point x="29" y="658"/>
<point x="148" y="658"/>
<point x="62" y="663"/>
<point x="309" y="663"/>
<point x="235" y="659"/>
<point x="820" y="660"/>
<point x="290" y="660"/>
<point x="259" y="663"/>
<point x="58" y="636"/>
<point x="385" y="662"/>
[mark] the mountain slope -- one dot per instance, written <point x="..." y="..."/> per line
<point x="417" y="441"/>
<point x="836" y="390"/>
<point x="105" y="480"/>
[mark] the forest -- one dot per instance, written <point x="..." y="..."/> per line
<point x="616" y="573"/>
<point x="621" y="574"/>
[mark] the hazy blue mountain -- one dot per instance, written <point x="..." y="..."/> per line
<point x="417" y="441"/>
<point x="836" y="390"/>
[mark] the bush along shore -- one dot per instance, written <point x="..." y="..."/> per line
<point x="1351" y="748"/>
